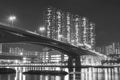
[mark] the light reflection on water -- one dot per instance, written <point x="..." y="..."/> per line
<point x="85" y="74"/>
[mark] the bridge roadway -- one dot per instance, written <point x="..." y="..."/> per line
<point x="13" y="35"/>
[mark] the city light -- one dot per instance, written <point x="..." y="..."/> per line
<point x="42" y="29"/>
<point x="21" y="53"/>
<point x="59" y="37"/>
<point x="12" y="19"/>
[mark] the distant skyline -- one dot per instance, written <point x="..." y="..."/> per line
<point x="104" y="13"/>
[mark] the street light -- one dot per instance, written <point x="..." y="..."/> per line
<point x="12" y="19"/>
<point x="42" y="29"/>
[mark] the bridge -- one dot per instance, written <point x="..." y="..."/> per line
<point x="13" y="35"/>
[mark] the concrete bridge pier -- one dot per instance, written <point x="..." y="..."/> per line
<point x="70" y="64"/>
<point x="74" y="63"/>
<point x="77" y="63"/>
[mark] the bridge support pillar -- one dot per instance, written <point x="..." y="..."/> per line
<point x="70" y="64"/>
<point x="77" y="63"/>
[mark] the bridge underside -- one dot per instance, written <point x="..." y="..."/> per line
<point x="13" y="35"/>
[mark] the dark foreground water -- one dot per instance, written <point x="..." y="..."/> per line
<point x="85" y="74"/>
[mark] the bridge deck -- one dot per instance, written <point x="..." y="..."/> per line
<point x="11" y="35"/>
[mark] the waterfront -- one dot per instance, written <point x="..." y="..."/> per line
<point x="85" y="74"/>
<point x="59" y="43"/>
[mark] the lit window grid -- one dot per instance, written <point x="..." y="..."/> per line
<point x="59" y="24"/>
<point x="73" y="32"/>
<point x="79" y="40"/>
<point x="76" y="30"/>
<point x="68" y="27"/>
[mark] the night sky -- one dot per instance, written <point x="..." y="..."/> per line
<point x="104" y="13"/>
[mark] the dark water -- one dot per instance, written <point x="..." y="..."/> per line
<point x="85" y="74"/>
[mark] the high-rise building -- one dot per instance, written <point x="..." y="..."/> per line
<point x="113" y="48"/>
<point x="69" y="28"/>
<point x="92" y="35"/>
